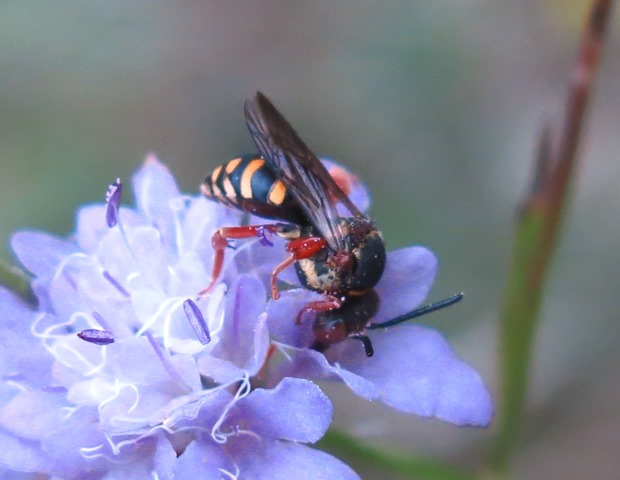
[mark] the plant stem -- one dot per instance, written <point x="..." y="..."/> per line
<point x="536" y="238"/>
<point x="17" y="281"/>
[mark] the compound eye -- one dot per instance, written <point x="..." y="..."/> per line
<point x="329" y="330"/>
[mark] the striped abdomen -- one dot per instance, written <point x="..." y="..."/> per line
<point x="247" y="183"/>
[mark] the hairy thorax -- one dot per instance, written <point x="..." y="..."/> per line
<point x="355" y="269"/>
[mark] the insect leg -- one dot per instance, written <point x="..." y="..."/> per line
<point x="287" y="262"/>
<point x="305" y="247"/>
<point x="330" y="302"/>
<point x="220" y="238"/>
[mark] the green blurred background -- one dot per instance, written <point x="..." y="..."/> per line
<point x="435" y="104"/>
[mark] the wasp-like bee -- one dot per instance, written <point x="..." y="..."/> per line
<point x="339" y="256"/>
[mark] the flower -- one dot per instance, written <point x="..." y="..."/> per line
<point x="122" y="372"/>
<point x="413" y="368"/>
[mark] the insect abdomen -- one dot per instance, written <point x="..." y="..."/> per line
<point x="247" y="183"/>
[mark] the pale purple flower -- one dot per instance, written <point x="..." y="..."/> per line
<point x="122" y="372"/>
<point x="413" y="368"/>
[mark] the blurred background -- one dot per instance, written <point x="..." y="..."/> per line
<point x="435" y="104"/>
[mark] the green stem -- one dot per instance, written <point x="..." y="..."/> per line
<point x="17" y="281"/>
<point x="355" y="452"/>
<point x="536" y="238"/>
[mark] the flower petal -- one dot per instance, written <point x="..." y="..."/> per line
<point x="40" y="252"/>
<point x="17" y="454"/>
<point x="245" y="302"/>
<point x="31" y="414"/>
<point x="406" y="281"/>
<point x="295" y="410"/>
<point x="63" y="444"/>
<point x="202" y="219"/>
<point x="416" y="371"/>
<point x="283" y="460"/>
<point x="23" y="358"/>
<point x="219" y="370"/>
<point x="282" y="313"/>
<point x="156" y="191"/>
<point x="202" y="460"/>
<point x="313" y="365"/>
<point x="91" y="224"/>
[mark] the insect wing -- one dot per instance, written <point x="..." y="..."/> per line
<point x="300" y="170"/>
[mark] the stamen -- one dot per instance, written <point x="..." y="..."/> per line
<point x="91" y="452"/>
<point x="115" y="448"/>
<point x="101" y="322"/>
<point x="179" y="207"/>
<point x="284" y="348"/>
<point x="197" y="321"/>
<point x="115" y="284"/>
<point x="164" y="315"/>
<point x="69" y="280"/>
<point x="98" y="337"/>
<point x="116" y="392"/>
<point x="113" y="201"/>
<point x="58" y="349"/>
<point x="55" y="389"/>
<point x="167" y="365"/>
<point x="243" y="390"/>
<point x="230" y="475"/>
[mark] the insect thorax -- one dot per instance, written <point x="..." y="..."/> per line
<point x="357" y="268"/>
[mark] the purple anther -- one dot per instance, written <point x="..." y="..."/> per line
<point x="197" y="321"/>
<point x="98" y="337"/>
<point x="113" y="201"/>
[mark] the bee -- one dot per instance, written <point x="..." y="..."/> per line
<point x="341" y="257"/>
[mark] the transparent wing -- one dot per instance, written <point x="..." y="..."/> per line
<point x="300" y="170"/>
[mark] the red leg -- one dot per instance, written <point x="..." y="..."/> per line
<point x="287" y="262"/>
<point x="300" y="248"/>
<point x="305" y="247"/>
<point x="219" y="241"/>
<point x="328" y="303"/>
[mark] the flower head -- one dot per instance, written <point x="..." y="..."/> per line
<point x="123" y="372"/>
